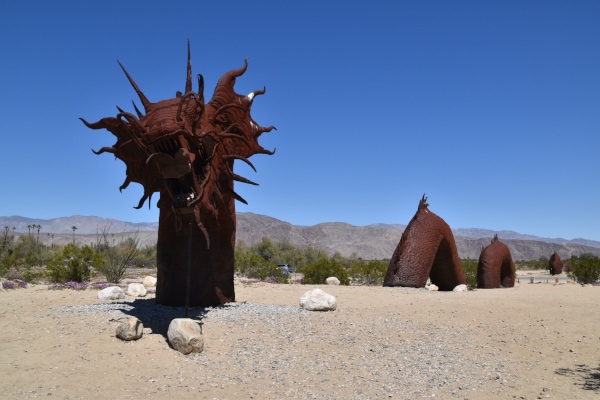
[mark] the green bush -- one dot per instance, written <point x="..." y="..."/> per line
<point x="25" y="257"/>
<point x="250" y="264"/>
<point x="28" y="250"/>
<point x="73" y="264"/>
<point x="540" y="263"/>
<point x="470" y="269"/>
<point x="585" y="268"/>
<point x="368" y="273"/>
<point x="317" y="273"/>
<point x="266" y="271"/>
<point x="282" y="253"/>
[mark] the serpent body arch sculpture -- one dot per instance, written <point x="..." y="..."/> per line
<point x="426" y="250"/>
<point x="185" y="149"/>
<point x="555" y="264"/>
<point x="495" y="268"/>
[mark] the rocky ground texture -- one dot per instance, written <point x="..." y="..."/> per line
<point x="533" y="341"/>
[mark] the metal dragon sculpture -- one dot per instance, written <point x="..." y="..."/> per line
<point x="426" y="250"/>
<point x="185" y="148"/>
<point x="495" y="268"/>
<point x="555" y="264"/>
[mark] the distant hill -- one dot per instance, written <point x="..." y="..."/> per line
<point x="376" y="241"/>
<point x="84" y="224"/>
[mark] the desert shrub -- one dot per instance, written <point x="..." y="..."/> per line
<point x="117" y="258"/>
<point x="14" y="280"/>
<point x="6" y="285"/>
<point x="283" y="253"/>
<point x="268" y="272"/>
<point x="470" y="269"/>
<point x="244" y="258"/>
<point x="368" y="273"/>
<point x="250" y="264"/>
<point x="146" y="257"/>
<point x="73" y="264"/>
<point x="318" y="272"/>
<point x="585" y="268"/>
<point x="540" y="263"/>
<point x="25" y="257"/>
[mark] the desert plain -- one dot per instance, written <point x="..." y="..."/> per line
<point x="533" y="341"/>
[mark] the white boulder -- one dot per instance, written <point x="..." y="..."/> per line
<point x="149" y="281"/>
<point x="130" y="329"/>
<point x="111" y="293"/>
<point x="318" y="300"/>
<point x="332" y="280"/>
<point x="136" y="290"/>
<point x="460" y="288"/>
<point x="185" y="336"/>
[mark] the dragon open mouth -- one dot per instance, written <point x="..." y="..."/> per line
<point x="176" y="164"/>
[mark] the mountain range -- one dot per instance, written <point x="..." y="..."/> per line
<point x="376" y="241"/>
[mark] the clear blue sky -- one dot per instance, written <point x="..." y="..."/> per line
<point x="491" y="108"/>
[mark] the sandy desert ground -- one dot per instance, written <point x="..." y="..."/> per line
<point x="532" y="341"/>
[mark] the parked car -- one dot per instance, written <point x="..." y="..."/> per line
<point x="285" y="268"/>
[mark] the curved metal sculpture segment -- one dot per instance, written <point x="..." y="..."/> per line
<point x="496" y="268"/>
<point x="555" y="264"/>
<point x="426" y="250"/>
<point x="185" y="149"/>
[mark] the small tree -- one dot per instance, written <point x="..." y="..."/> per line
<point x="117" y="258"/>
<point x="4" y="241"/>
<point x="314" y="255"/>
<point x="38" y="228"/>
<point x="266" y="249"/>
<point x="74" y="228"/>
<point x="585" y="268"/>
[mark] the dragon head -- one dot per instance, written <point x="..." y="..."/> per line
<point x="185" y="148"/>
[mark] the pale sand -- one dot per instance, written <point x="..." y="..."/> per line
<point x="531" y="341"/>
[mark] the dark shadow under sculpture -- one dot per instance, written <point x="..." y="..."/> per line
<point x="555" y="264"/>
<point x="426" y="250"/>
<point x="185" y="149"/>
<point x="496" y="268"/>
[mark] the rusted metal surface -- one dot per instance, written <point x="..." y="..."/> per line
<point x="496" y="268"/>
<point x="426" y="250"/>
<point x="184" y="148"/>
<point x="555" y="264"/>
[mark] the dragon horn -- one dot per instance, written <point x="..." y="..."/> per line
<point x="143" y="98"/>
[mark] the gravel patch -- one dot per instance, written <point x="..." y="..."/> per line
<point x="273" y="351"/>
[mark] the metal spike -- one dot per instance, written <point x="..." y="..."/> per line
<point x="137" y="111"/>
<point x="143" y="99"/>
<point x="188" y="80"/>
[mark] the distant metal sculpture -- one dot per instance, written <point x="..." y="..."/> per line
<point x="555" y="264"/>
<point x="185" y="149"/>
<point x="426" y="250"/>
<point x="496" y="268"/>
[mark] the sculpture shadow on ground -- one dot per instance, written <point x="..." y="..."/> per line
<point x="585" y="376"/>
<point x="158" y="317"/>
